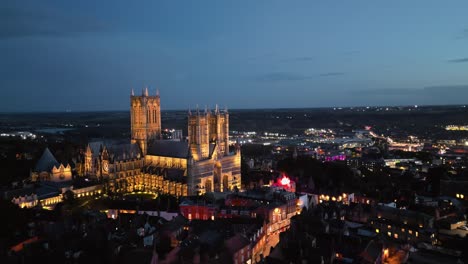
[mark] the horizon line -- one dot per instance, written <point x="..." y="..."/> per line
<point x="232" y="109"/>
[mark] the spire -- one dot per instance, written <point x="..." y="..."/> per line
<point x="133" y="92"/>
<point x="198" y="112"/>
<point x="189" y="111"/>
<point x="157" y="92"/>
<point x="216" y="109"/>
<point x="146" y="91"/>
<point x="225" y="109"/>
<point x="206" y="109"/>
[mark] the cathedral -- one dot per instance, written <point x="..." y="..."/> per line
<point x="203" y="163"/>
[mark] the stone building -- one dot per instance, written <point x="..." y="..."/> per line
<point x="49" y="169"/>
<point x="202" y="164"/>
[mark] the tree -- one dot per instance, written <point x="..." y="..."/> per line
<point x="68" y="197"/>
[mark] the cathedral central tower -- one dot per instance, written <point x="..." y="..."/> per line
<point x="145" y="119"/>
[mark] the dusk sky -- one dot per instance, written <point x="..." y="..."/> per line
<point x="87" y="55"/>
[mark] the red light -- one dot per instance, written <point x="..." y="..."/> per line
<point x="285" y="181"/>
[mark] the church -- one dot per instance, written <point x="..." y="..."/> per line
<point x="205" y="162"/>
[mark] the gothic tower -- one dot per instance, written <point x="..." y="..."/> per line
<point x="145" y="116"/>
<point x="219" y="130"/>
<point x="198" y="135"/>
<point x="208" y="128"/>
<point x="88" y="161"/>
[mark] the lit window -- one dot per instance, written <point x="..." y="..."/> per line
<point x="389" y="234"/>
<point x="377" y="230"/>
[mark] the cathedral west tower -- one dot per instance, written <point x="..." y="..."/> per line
<point x="208" y="129"/>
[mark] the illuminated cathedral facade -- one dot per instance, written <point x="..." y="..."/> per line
<point x="203" y="163"/>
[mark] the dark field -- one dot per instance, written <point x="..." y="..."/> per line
<point x="428" y="121"/>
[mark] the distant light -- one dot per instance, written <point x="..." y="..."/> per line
<point x="285" y="181"/>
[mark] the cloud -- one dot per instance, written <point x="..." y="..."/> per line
<point x="261" y="56"/>
<point x="431" y="95"/>
<point x="326" y="74"/>
<point x="460" y="60"/>
<point x="289" y="76"/>
<point x="456" y="90"/>
<point x="31" y="20"/>
<point x="351" y="52"/>
<point x="282" y="76"/>
<point x="463" y="34"/>
<point x="298" y="59"/>
<point x="398" y="91"/>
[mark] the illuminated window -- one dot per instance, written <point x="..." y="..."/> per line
<point x="377" y="230"/>
<point x="395" y="236"/>
<point x="402" y="230"/>
<point x="389" y="227"/>
<point x="410" y="232"/>
<point x="389" y="234"/>
<point x="417" y="233"/>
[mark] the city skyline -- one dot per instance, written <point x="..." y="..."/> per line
<point x="87" y="56"/>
